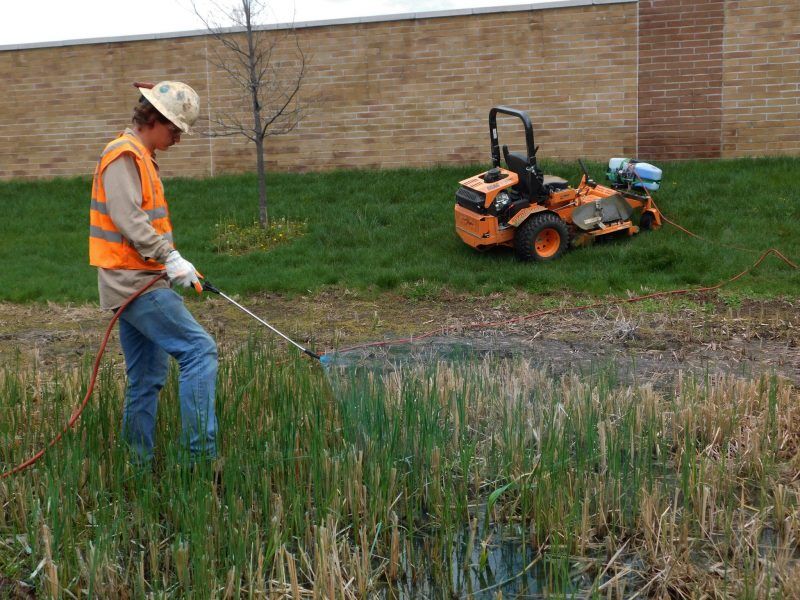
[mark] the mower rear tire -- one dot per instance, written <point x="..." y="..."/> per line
<point x="541" y="237"/>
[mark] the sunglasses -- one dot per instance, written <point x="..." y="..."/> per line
<point x="173" y="129"/>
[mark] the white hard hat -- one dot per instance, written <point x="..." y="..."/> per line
<point x="175" y="100"/>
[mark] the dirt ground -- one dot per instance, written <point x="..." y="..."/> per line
<point x="651" y="340"/>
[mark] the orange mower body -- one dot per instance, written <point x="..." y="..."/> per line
<point x="540" y="215"/>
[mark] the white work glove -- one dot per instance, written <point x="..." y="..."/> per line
<point x="180" y="270"/>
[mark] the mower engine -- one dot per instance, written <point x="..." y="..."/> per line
<point x="506" y="203"/>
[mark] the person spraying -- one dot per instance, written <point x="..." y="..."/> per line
<point x="130" y="243"/>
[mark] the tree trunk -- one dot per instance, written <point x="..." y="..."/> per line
<point x="263" y="217"/>
<point x="258" y="133"/>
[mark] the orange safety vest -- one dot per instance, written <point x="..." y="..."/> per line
<point x="108" y="248"/>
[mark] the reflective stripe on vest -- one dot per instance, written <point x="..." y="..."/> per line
<point x="108" y="248"/>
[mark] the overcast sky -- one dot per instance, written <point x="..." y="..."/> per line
<point x="30" y="21"/>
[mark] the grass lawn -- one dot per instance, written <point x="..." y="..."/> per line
<point x="370" y="231"/>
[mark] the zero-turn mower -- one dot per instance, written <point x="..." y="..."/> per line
<point x="538" y="215"/>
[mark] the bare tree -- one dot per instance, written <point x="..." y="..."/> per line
<point x="268" y="67"/>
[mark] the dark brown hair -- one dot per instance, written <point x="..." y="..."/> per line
<point x="145" y="114"/>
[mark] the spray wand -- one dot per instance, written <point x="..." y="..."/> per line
<point x="207" y="286"/>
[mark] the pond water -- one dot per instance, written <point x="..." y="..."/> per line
<point x="631" y="365"/>
<point x="509" y="568"/>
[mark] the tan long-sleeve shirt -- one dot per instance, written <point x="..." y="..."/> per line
<point x="124" y="202"/>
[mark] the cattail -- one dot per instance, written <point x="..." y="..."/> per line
<point x="394" y="556"/>
<point x="228" y="593"/>
<point x="50" y="568"/>
<point x="182" y="564"/>
<point x="292" y="568"/>
<point x="584" y="539"/>
<point x="601" y="442"/>
<point x="473" y="528"/>
<point x="363" y="557"/>
<point x="140" y="579"/>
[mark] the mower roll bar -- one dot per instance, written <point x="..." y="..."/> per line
<point x="494" y="138"/>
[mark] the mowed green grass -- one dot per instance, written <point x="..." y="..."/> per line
<point x="371" y="231"/>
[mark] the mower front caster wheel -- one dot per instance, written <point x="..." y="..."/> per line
<point x="647" y="221"/>
<point x="542" y="237"/>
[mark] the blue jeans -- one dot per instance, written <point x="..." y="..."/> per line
<point x="153" y="327"/>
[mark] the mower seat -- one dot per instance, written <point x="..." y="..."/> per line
<point x="554" y="180"/>
<point x="518" y="162"/>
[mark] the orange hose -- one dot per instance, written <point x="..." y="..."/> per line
<point x="76" y="414"/>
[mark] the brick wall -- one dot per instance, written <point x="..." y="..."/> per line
<point x="718" y="78"/>
<point x="761" y="84"/>
<point x="680" y="78"/>
<point x="654" y="79"/>
<point x="63" y="104"/>
<point x="411" y="92"/>
<point x="418" y="92"/>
